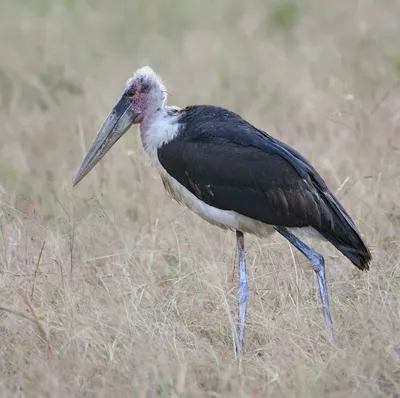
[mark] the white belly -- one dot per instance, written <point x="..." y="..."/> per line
<point x="223" y="218"/>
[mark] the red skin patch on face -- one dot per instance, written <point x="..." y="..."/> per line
<point x="138" y="102"/>
<point x="139" y="97"/>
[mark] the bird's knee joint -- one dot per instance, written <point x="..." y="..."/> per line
<point x="244" y="286"/>
<point x="318" y="263"/>
<point x="244" y="291"/>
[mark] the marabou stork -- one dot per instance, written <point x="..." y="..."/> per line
<point x="232" y="175"/>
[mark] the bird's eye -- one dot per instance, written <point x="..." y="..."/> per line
<point x="130" y="93"/>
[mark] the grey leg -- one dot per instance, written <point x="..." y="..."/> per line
<point x="318" y="264"/>
<point x="243" y="292"/>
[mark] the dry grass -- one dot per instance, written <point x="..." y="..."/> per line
<point x="133" y="295"/>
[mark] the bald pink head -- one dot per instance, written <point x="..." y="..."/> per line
<point x="146" y="93"/>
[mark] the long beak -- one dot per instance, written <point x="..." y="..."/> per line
<point x="117" y="123"/>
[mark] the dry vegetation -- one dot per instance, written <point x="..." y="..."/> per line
<point x="132" y="294"/>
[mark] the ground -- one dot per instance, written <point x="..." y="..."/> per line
<point x="112" y="288"/>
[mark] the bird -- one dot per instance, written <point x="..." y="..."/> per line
<point x="234" y="176"/>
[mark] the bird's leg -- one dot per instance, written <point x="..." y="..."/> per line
<point x="318" y="264"/>
<point x="243" y="292"/>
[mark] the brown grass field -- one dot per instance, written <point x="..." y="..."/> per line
<point x="112" y="289"/>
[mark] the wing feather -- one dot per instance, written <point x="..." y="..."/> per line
<point x="260" y="185"/>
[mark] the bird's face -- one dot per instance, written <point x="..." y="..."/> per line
<point x="140" y="92"/>
<point x="143" y="95"/>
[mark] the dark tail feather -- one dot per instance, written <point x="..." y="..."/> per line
<point x="340" y="230"/>
<point x="352" y="246"/>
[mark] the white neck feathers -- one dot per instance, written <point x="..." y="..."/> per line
<point x="159" y="129"/>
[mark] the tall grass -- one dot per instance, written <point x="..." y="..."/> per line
<point x="113" y="289"/>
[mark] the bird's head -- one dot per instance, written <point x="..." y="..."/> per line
<point x="145" y="92"/>
<point x="143" y="95"/>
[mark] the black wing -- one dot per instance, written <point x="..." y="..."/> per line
<point x="229" y="164"/>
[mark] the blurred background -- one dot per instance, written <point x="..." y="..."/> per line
<point x="112" y="287"/>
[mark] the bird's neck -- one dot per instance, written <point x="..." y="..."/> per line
<point x="158" y="128"/>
